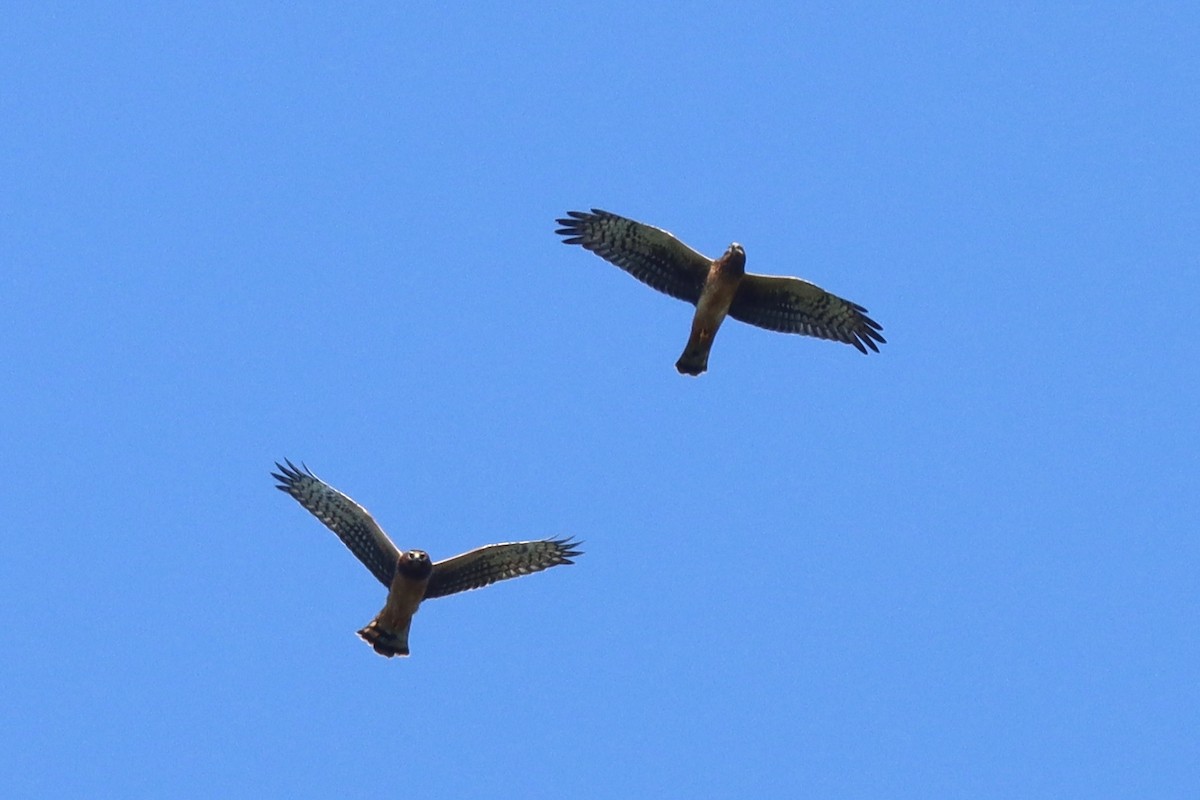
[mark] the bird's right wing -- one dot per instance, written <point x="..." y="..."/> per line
<point x="792" y="305"/>
<point x="350" y="521"/>
<point x="652" y="255"/>
<point x="497" y="562"/>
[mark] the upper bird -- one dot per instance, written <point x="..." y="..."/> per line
<point x="718" y="287"/>
<point x="410" y="576"/>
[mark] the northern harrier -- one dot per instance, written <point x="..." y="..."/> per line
<point x="718" y="287"/>
<point x="410" y="576"/>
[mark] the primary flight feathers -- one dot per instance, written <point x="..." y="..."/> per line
<point x="718" y="286"/>
<point x="411" y="576"/>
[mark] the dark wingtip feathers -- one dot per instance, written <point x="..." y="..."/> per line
<point x="290" y="475"/>
<point x="867" y="332"/>
<point x="571" y="227"/>
<point x="572" y="224"/>
<point x="570" y="549"/>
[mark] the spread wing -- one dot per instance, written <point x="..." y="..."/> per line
<point x="652" y="255"/>
<point x="790" y="305"/>
<point x="497" y="562"/>
<point x="350" y="521"/>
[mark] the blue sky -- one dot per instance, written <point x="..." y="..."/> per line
<point x="964" y="567"/>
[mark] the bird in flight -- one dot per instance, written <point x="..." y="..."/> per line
<point x="410" y="576"/>
<point x="717" y="287"/>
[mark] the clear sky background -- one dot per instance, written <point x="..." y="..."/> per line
<point x="964" y="567"/>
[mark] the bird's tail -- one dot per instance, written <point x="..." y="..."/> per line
<point x="386" y="641"/>
<point x="694" y="360"/>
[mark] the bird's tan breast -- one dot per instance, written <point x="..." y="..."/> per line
<point x="719" y="290"/>
<point x="403" y="600"/>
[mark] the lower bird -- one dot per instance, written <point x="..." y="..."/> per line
<point x="718" y="287"/>
<point x="410" y="576"/>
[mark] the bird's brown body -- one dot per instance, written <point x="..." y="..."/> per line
<point x="724" y="277"/>
<point x="388" y="632"/>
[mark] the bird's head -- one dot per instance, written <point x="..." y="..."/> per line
<point x="415" y="564"/>
<point x="735" y="258"/>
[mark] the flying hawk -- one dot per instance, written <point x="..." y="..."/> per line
<point x="410" y="576"/>
<point x="718" y="287"/>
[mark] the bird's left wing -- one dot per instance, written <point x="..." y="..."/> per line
<point x="497" y="562"/>
<point x="653" y="256"/>
<point x="791" y="305"/>
<point x="350" y="521"/>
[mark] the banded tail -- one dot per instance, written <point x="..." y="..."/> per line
<point x="694" y="360"/>
<point x="387" y="642"/>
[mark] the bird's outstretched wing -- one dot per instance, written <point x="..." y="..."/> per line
<point x="497" y="562"/>
<point x="652" y="255"/>
<point x="791" y="305"/>
<point x="350" y="521"/>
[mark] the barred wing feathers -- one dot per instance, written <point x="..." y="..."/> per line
<point x="350" y="521"/>
<point x="792" y="305"/>
<point x="497" y="562"/>
<point x="650" y="254"/>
